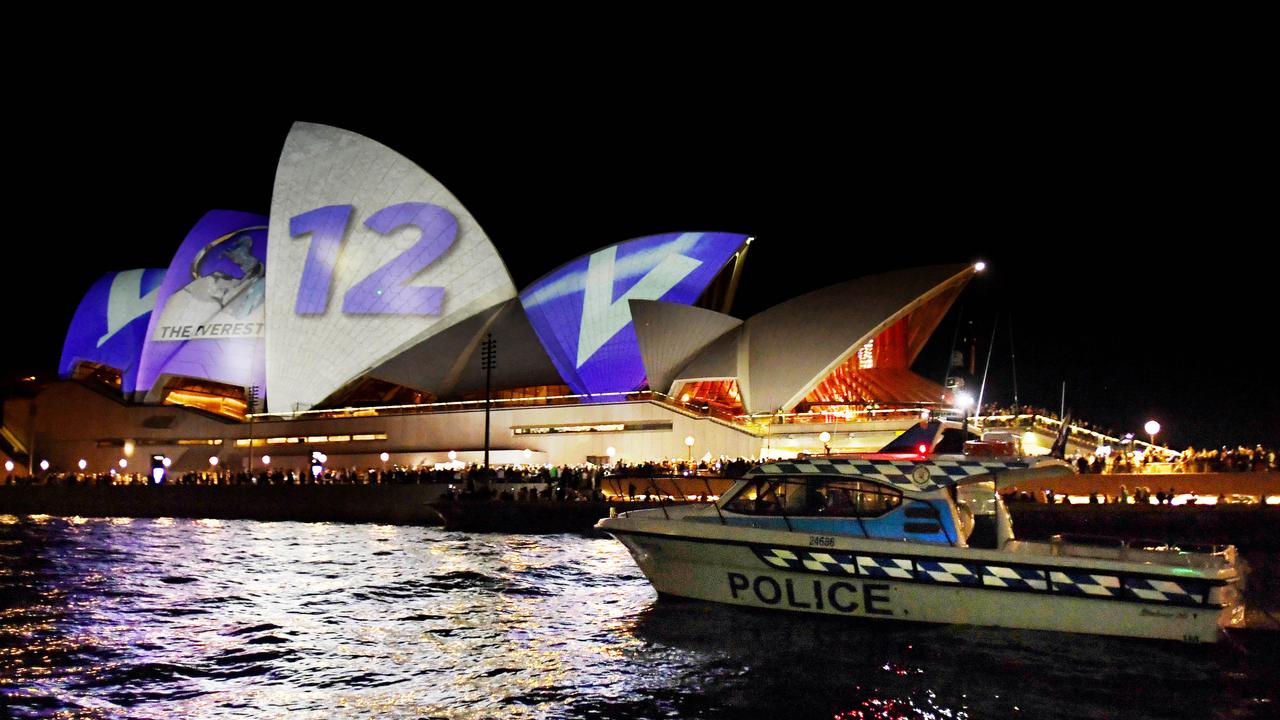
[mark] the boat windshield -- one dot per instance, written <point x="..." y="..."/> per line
<point x="799" y="496"/>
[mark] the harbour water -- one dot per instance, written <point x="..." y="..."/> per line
<point x="168" y="618"/>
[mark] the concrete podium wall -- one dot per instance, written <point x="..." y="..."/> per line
<point x="1242" y="483"/>
<point x="398" y="504"/>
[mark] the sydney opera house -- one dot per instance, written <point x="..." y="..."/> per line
<point x="356" y="319"/>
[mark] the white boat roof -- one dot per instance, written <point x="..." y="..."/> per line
<point x="924" y="474"/>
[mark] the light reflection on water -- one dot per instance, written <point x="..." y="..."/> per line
<point x="179" y="618"/>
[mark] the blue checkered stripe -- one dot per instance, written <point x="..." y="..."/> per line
<point x="824" y="562"/>
<point x="1085" y="583"/>
<point x="836" y="563"/>
<point x="885" y="567"/>
<point x="1013" y="578"/>
<point x="896" y="472"/>
<point x="951" y="572"/>
<point x="1178" y="592"/>
<point x="954" y="573"/>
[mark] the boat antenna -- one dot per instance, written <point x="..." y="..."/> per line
<point x="977" y="410"/>
<point x="1013" y="361"/>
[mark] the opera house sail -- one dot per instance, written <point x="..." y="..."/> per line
<point x="351" y="318"/>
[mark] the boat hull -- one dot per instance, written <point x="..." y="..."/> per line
<point x="740" y="573"/>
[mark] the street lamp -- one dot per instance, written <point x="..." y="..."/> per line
<point x="688" y="441"/>
<point x="825" y="437"/>
<point x="1153" y="428"/>
<point x="266" y="459"/>
<point x="610" y="451"/>
<point x="213" y="461"/>
<point x="44" y="466"/>
<point x="8" y="466"/>
<point x="82" y="464"/>
<point x="123" y="463"/>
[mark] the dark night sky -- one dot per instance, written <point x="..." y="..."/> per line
<point x="1125" y="232"/>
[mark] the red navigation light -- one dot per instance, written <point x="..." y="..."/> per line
<point x="924" y="449"/>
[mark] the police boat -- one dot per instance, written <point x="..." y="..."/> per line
<point x="925" y="539"/>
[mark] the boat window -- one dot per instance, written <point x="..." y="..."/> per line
<point x="757" y="498"/>
<point x="857" y="499"/>
<point x="812" y="497"/>
<point x="951" y="442"/>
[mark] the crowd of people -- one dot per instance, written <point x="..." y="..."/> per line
<point x="1240" y="459"/>
<point x="1142" y="495"/>
<point x="581" y="480"/>
<point x="1129" y="457"/>
<point x="1043" y="417"/>
<point x="563" y="482"/>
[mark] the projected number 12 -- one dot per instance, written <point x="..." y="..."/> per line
<point x="385" y="291"/>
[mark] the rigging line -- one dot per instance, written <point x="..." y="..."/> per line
<point x="977" y="411"/>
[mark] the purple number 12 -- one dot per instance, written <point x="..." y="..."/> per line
<point x="384" y="291"/>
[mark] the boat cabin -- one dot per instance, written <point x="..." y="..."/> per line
<point x="832" y="506"/>
<point x="949" y="502"/>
